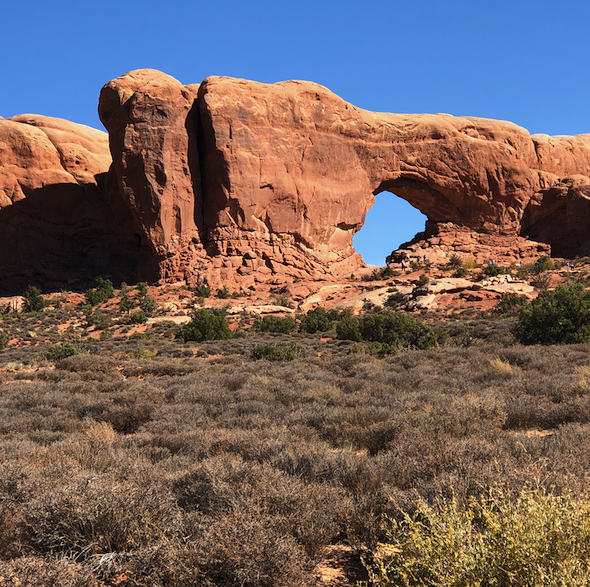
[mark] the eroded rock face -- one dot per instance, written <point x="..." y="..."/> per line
<point x="57" y="227"/>
<point x="288" y="171"/>
<point x="242" y="182"/>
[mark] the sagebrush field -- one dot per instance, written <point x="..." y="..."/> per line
<point x="151" y="461"/>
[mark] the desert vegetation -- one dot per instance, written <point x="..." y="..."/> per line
<point x="176" y="455"/>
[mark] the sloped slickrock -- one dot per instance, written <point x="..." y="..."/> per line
<point x="57" y="227"/>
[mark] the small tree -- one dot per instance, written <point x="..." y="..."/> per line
<point x="126" y="304"/>
<point x="34" y="299"/>
<point x="142" y="290"/>
<point x="316" y="320"/>
<point x="561" y="316"/>
<point x="148" y="305"/>
<point x="275" y="324"/>
<point x="99" y="294"/>
<point x="206" y="325"/>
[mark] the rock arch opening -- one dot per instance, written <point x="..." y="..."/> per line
<point x="389" y="223"/>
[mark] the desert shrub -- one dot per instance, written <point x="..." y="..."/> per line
<point x="62" y="351"/>
<point x="99" y="517"/>
<point x="272" y="352"/>
<point x="223" y="293"/>
<point x="139" y="336"/>
<point x="531" y="540"/>
<point x="206" y="325"/>
<point x="126" y="304"/>
<point x="492" y="270"/>
<point x="283" y="301"/>
<point x="34" y="300"/>
<point x="381" y="274"/>
<point x="315" y="320"/>
<point x="349" y="328"/>
<point x="148" y="305"/>
<point x="138" y="317"/>
<point x="4" y="340"/>
<point x="455" y="260"/>
<point x="509" y="304"/>
<point x="142" y="290"/>
<point x="543" y="264"/>
<point x="275" y="324"/>
<point x="460" y="272"/>
<point x="100" y="293"/>
<point x="424" y="279"/>
<point x="561" y="316"/>
<point x="201" y="288"/>
<point x="398" y="330"/>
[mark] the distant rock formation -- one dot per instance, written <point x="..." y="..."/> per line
<point x="241" y="182"/>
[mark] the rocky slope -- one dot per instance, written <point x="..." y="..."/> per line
<point x="245" y="182"/>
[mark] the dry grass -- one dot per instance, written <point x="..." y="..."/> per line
<point x="196" y="465"/>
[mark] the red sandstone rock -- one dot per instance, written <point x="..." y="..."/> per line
<point x="152" y="136"/>
<point x="56" y="225"/>
<point x="289" y="171"/>
<point x="248" y="182"/>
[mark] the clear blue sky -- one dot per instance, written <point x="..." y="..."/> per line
<point x="520" y="60"/>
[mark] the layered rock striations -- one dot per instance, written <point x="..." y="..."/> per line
<point x="244" y="181"/>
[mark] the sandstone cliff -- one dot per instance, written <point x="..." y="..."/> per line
<point x="245" y="181"/>
<point x="57" y="228"/>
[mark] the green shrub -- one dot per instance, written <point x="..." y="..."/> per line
<point x="126" y="304"/>
<point x="509" y="304"/>
<point x="272" y="352"/>
<point x="424" y="279"/>
<point x="206" y="325"/>
<point x="4" y="340"/>
<point x="99" y="294"/>
<point x="316" y="320"/>
<point x="543" y="264"/>
<point x="381" y="274"/>
<point x="492" y="270"/>
<point x="201" y="288"/>
<point x="275" y="324"/>
<point x="34" y="299"/>
<point x="561" y="316"/>
<point x="398" y="330"/>
<point x="349" y="328"/>
<point x="62" y="351"/>
<point x="138" y="317"/>
<point x="139" y="336"/>
<point x="455" y="260"/>
<point x="148" y="305"/>
<point x="460" y="272"/>
<point x="533" y="540"/>
<point x="142" y="290"/>
<point x="223" y="293"/>
<point x="283" y="301"/>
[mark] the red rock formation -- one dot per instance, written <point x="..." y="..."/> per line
<point x="56" y="225"/>
<point x="152" y="137"/>
<point x="289" y="170"/>
<point x="244" y="182"/>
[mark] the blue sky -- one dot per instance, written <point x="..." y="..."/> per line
<point x="518" y="60"/>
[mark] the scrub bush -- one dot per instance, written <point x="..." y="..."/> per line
<point x="206" y="325"/>
<point x="561" y="316"/>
